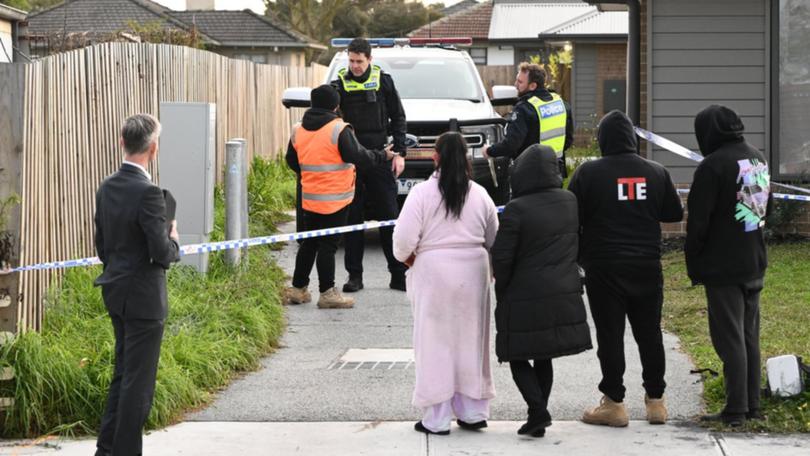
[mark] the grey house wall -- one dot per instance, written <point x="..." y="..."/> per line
<point x="584" y="82"/>
<point x="705" y="52"/>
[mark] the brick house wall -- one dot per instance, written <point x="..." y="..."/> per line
<point x="611" y="63"/>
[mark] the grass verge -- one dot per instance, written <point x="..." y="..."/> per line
<point x="219" y="324"/>
<point x="783" y="330"/>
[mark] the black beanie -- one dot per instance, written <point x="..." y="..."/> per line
<point x="325" y="97"/>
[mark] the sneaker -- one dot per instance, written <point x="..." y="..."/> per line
<point x="608" y="413"/>
<point x="294" y="295"/>
<point x="332" y="299"/>
<point x="354" y="284"/>
<point x="729" y="419"/>
<point x="397" y="281"/>
<point x="656" y="410"/>
<point x="535" y="427"/>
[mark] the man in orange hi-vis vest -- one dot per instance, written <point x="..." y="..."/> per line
<point x="324" y="152"/>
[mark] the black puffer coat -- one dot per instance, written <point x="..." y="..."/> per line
<point x="540" y="313"/>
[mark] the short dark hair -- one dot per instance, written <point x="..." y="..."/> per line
<point x="139" y="132"/>
<point x="536" y="73"/>
<point x="360" y="46"/>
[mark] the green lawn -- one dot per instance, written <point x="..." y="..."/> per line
<point x="785" y="328"/>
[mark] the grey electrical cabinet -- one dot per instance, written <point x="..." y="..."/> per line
<point x="186" y="159"/>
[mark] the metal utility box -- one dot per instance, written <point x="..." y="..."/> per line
<point x="187" y="159"/>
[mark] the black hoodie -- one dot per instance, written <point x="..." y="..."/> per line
<point x="728" y="202"/>
<point x="623" y="198"/>
<point x="540" y="313"/>
<point x="351" y="151"/>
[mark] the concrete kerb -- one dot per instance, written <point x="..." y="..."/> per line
<point x="398" y="438"/>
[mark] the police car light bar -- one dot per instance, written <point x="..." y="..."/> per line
<point x="460" y="41"/>
<point x="374" y="42"/>
<point x="390" y="42"/>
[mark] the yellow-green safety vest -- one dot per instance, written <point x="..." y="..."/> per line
<point x="350" y="85"/>
<point x="552" y="117"/>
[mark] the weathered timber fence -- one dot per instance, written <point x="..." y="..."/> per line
<point x="72" y="107"/>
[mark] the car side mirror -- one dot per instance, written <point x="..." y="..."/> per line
<point x="503" y="95"/>
<point x="296" y="97"/>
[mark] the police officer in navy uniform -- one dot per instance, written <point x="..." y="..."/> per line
<point x="539" y="117"/>
<point x="370" y="103"/>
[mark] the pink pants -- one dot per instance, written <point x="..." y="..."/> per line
<point x="437" y="417"/>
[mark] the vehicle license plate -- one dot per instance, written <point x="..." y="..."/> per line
<point x="405" y="185"/>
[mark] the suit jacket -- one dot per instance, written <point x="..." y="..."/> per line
<point x="132" y="240"/>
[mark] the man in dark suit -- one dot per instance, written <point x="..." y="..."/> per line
<point x="137" y="244"/>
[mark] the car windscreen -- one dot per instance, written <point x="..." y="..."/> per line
<point x="430" y="78"/>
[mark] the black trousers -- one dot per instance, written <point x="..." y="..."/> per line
<point x="534" y="384"/>
<point x="378" y="185"/>
<point x="137" y="350"/>
<point x="321" y="248"/>
<point x="734" y="329"/>
<point x="634" y="291"/>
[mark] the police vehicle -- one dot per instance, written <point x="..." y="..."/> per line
<point x="441" y="91"/>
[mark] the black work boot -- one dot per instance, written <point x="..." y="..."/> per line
<point x="397" y="281"/>
<point x="355" y="283"/>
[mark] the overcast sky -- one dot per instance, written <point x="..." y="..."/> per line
<point x="255" y="5"/>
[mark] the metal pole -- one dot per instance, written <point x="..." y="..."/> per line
<point x="234" y="156"/>
<point x="244" y="192"/>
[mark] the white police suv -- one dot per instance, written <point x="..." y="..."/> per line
<point x="441" y="91"/>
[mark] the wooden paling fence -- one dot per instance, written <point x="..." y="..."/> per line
<point x="73" y="106"/>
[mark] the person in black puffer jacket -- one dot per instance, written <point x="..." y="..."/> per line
<point x="540" y="314"/>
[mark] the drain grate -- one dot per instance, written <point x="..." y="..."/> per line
<point x="374" y="359"/>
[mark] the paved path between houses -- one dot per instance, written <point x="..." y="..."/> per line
<point x="296" y="384"/>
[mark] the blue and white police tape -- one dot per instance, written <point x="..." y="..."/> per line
<point x="194" y="249"/>
<point x="694" y="156"/>
<point x="783" y="196"/>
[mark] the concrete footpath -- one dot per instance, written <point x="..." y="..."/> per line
<point x="565" y="438"/>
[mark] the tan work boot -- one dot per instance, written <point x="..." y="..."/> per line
<point x="656" y="410"/>
<point x="608" y="413"/>
<point x="332" y="299"/>
<point x="293" y="295"/>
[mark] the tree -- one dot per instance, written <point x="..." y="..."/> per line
<point x="310" y="17"/>
<point x="395" y="18"/>
<point x="31" y="5"/>
<point x="327" y="19"/>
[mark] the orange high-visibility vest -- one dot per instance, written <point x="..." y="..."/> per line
<point x="327" y="182"/>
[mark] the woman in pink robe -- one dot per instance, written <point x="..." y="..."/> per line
<point x="444" y="232"/>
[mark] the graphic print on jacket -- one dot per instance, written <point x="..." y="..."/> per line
<point x="632" y="188"/>
<point x="752" y="198"/>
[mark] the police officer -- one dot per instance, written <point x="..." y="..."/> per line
<point x="370" y="103"/>
<point x="540" y="116"/>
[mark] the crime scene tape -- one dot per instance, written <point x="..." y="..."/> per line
<point x="694" y="156"/>
<point x="194" y="249"/>
<point x="783" y="196"/>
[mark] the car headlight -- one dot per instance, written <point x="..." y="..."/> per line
<point x="486" y="135"/>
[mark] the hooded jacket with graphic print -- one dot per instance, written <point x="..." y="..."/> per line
<point x="623" y="198"/>
<point x="728" y="202"/>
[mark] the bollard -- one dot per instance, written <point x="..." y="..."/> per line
<point x="244" y="192"/>
<point x="234" y="178"/>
